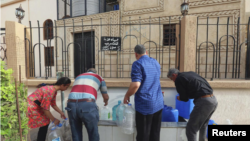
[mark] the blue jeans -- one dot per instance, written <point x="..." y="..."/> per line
<point x="83" y="112"/>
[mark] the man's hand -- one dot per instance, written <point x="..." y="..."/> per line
<point x="105" y="102"/>
<point x="134" y="86"/>
<point x="178" y="97"/>
<point x="126" y="99"/>
<point x="105" y="99"/>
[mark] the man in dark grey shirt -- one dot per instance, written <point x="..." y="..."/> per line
<point x="190" y="85"/>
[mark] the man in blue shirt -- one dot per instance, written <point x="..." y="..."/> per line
<point x="149" y="103"/>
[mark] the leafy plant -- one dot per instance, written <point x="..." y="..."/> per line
<point x="9" y="114"/>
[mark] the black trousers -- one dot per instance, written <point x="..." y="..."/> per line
<point x="148" y="126"/>
<point x="199" y="118"/>
<point x="42" y="133"/>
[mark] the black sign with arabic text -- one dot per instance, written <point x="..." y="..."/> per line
<point x="111" y="43"/>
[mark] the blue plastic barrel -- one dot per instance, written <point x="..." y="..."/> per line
<point x="184" y="108"/>
<point x="169" y="114"/>
<point x="211" y="122"/>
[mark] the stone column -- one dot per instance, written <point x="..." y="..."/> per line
<point x="188" y="43"/>
<point x="16" y="48"/>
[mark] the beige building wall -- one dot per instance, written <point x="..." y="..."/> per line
<point x="203" y="9"/>
<point x="35" y="10"/>
<point x="137" y="14"/>
<point x="151" y="29"/>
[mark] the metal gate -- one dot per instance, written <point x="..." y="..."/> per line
<point x="160" y="37"/>
<point x="3" y="48"/>
<point x="220" y="53"/>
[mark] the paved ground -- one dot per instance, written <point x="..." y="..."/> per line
<point x="33" y="134"/>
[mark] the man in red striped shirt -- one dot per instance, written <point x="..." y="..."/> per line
<point x="81" y="105"/>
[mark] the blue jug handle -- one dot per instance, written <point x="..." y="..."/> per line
<point x="170" y="108"/>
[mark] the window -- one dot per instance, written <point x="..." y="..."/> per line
<point x="169" y="34"/>
<point x="49" y="56"/>
<point x="48" y="29"/>
<point x="65" y="17"/>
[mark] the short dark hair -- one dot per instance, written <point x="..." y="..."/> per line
<point x="140" y="49"/>
<point x="92" y="70"/>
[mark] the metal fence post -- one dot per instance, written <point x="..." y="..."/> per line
<point x="18" y="111"/>
<point x="60" y="75"/>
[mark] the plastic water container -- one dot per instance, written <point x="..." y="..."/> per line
<point x="184" y="108"/>
<point x="169" y="114"/>
<point x="119" y="114"/>
<point x="55" y="134"/>
<point x="105" y="113"/>
<point x="67" y="135"/>
<point x="63" y="122"/>
<point x="52" y="125"/>
<point x="128" y="126"/>
<point x="114" y="110"/>
<point x="211" y="122"/>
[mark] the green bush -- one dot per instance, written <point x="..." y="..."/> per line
<point x="9" y="116"/>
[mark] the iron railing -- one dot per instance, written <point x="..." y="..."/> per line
<point x="220" y="52"/>
<point x="87" y="51"/>
<point x="3" y="48"/>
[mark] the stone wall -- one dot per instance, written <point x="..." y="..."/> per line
<point x="16" y="49"/>
<point x="147" y="27"/>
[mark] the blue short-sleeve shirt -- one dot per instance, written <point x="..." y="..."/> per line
<point x="148" y="98"/>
